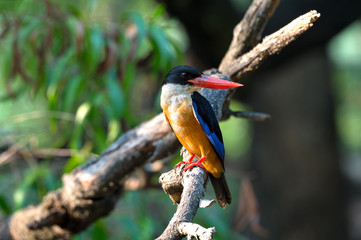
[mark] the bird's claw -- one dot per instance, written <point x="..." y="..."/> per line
<point x="180" y="163"/>
<point x="184" y="162"/>
<point x="195" y="164"/>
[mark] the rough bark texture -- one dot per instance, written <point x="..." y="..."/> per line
<point x="193" y="185"/>
<point x="270" y="45"/>
<point x="249" y="31"/>
<point x="91" y="191"/>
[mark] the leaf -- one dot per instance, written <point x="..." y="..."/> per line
<point x="10" y="5"/>
<point x="4" y="206"/>
<point x="73" y="162"/>
<point x="82" y="112"/>
<point x="55" y="74"/>
<point x="158" y="12"/>
<point x="32" y="175"/>
<point x="138" y="20"/>
<point x="99" y="230"/>
<point x="71" y="92"/>
<point x="116" y="95"/>
<point x="100" y="138"/>
<point x="161" y="45"/>
<point x="129" y="76"/>
<point x="79" y="157"/>
<point x="94" y="49"/>
<point x="113" y="130"/>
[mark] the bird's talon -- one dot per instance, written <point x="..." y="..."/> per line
<point x="184" y="162"/>
<point x="196" y="164"/>
<point x="179" y="164"/>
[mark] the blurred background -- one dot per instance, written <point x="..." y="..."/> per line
<point x="75" y="75"/>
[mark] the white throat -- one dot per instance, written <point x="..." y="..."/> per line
<point x="175" y="94"/>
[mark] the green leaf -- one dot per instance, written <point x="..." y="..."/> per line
<point x="113" y="131"/>
<point x="79" y="157"/>
<point x="82" y="112"/>
<point x="10" y="5"/>
<point x="27" y="28"/>
<point x="55" y="74"/>
<point x="116" y="95"/>
<point x="4" y="206"/>
<point x="94" y="48"/>
<point x="32" y="175"/>
<point x="99" y="230"/>
<point x="129" y="77"/>
<point x="73" y="162"/>
<point x="161" y="45"/>
<point x="158" y="12"/>
<point x="71" y="93"/>
<point x="100" y="138"/>
<point x="138" y="20"/>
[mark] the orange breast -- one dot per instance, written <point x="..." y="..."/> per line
<point x="191" y="135"/>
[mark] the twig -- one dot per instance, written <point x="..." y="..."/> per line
<point x="248" y="31"/>
<point x="197" y="231"/>
<point x="270" y="45"/>
<point x="255" y="116"/>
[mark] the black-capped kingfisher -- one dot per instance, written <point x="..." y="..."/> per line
<point x="194" y="122"/>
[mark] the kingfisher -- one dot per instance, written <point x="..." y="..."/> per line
<point x="194" y="122"/>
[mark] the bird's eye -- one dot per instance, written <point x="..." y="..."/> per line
<point x="185" y="75"/>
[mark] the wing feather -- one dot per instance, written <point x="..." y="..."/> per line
<point x="206" y="117"/>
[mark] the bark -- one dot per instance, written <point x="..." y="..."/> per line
<point x="91" y="191"/>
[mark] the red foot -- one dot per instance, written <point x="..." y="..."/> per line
<point x="189" y="161"/>
<point x="196" y="164"/>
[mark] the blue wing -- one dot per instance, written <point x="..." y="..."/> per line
<point x="205" y="115"/>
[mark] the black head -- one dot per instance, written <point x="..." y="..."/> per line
<point x="181" y="74"/>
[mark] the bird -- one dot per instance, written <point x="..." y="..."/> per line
<point x="194" y="122"/>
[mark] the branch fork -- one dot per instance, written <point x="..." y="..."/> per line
<point x="186" y="188"/>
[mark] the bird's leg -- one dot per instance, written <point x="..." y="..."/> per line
<point x="184" y="162"/>
<point x="196" y="164"/>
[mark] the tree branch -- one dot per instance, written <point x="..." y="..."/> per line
<point x="249" y="30"/>
<point x="255" y="116"/>
<point x="91" y="191"/>
<point x="270" y="45"/>
<point x="196" y="231"/>
<point x="193" y="184"/>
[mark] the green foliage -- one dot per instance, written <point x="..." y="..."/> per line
<point x="237" y="134"/>
<point x="77" y="74"/>
<point x="345" y="53"/>
<point x="83" y="66"/>
<point x="4" y="206"/>
<point x="38" y="180"/>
